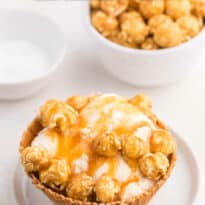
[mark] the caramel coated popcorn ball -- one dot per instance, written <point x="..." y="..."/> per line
<point x="123" y="39"/>
<point x="141" y="101"/>
<point x="162" y="141"/>
<point x="134" y="27"/>
<point x="168" y="35"/>
<point x="95" y="4"/>
<point x="133" y="147"/>
<point x="154" y="166"/>
<point x="133" y="4"/>
<point x="57" y="174"/>
<point x="130" y="15"/>
<point x="149" y="44"/>
<point x="34" y="158"/>
<point x="80" y="187"/>
<point x="56" y="114"/>
<point x="148" y="24"/>
<point x="104" y="23"/>
<point x="178" y="8"/>
<point x="106" y="189"/>
<point x="155" y="21"/>
<point x="114" y="7"/>
<point x="107" y="144"/>
<point x="199" y="7"/>
<point x="151" y="7"/>
<point x="77" y="102"/>
<point x="190" y="24"/>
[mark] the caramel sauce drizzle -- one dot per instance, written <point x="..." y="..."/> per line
<point x="71" y="145"/>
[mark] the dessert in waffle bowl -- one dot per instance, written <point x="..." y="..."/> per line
<point x="100" y="149"/>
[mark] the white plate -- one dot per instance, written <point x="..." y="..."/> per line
<point x="180" y="189"/>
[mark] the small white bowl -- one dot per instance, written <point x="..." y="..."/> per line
<point x="146" y="68"/>
<point x="40" y="31"/>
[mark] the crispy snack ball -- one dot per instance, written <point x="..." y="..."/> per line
<point x="129" y="15"/>
<point x="178" y="8"/>
<point x="95" y="4"/>
<point x="34" y="159"/>
<point x="194" y="4"/>
<point x="104" y="23"/>
<point x="107" y="144"/>
<point x="57" y="114"/>
<point x="57" y="174"/>
<point x="162" y="141"/>
<point x="198" y="7"/>
<point x="155" y="21"/>
<point x="134" y="4"/>
<point x="168" y="35"/>
<point x="133" y="147"/>
<point x="114" y="7"/>
<point x="77" y="102"/>
<point x="134" y="26"/>
<point x="190" y="24"/>
<point x="123" y="39"/>
<point x="106" y="189"/>
<point x="151" y="7"/>
<point x="154" y="166"/>
<point x="141" y="101"/>
<point x="80" y="187"/>
<point x="149" y="44"/>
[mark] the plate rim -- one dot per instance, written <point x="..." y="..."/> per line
<point x="195" y="161"/>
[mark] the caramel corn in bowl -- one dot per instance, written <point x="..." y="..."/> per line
<point x="98" y="149"/>
<point x="147" y="42"/>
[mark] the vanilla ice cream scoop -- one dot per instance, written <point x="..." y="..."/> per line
<point x="47" y="139"/>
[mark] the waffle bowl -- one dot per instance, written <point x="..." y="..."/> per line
<point x="59" y="199"/>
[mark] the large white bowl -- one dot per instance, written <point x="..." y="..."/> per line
<point x="146" y="68"/>
<point x="19" y="24"/>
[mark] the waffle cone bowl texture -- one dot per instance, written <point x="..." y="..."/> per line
<point x="60" y="198"/>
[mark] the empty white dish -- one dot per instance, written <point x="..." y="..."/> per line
<point x="180" y="189"/>
<point x="31" y="48"/>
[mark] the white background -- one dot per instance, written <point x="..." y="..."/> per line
<point x="181" y="106"/>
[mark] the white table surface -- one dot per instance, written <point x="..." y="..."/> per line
<point x="181" y="106"/>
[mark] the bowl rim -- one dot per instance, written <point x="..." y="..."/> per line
<point x="106" y="42"/>
<point x="54" y="66"/>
